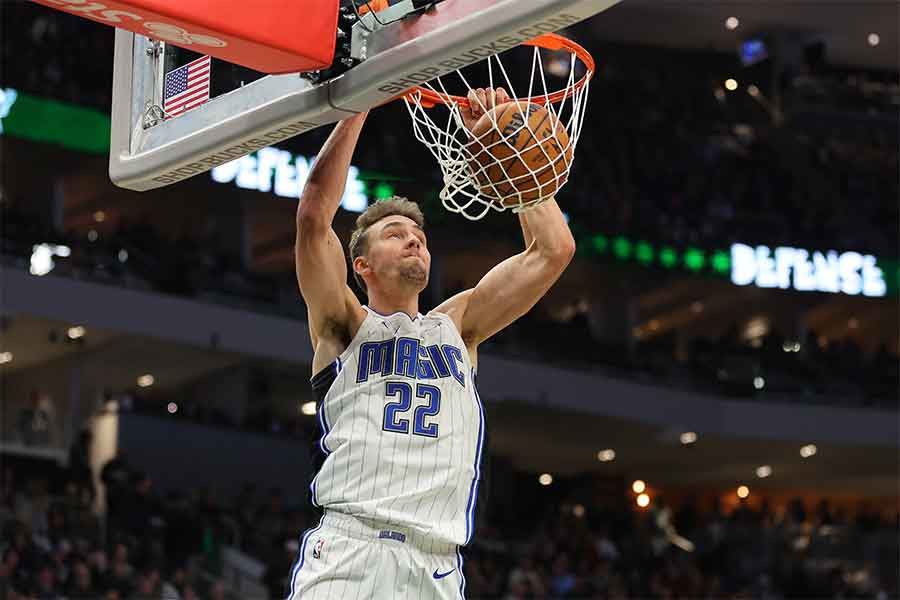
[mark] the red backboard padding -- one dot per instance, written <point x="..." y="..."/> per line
<point x="272" y="36"/>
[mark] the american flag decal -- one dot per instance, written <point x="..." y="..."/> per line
<point x="186" y="87"/>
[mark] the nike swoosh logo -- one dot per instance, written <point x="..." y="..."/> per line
<point x="437" y="575"/>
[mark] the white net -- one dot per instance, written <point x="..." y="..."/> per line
<point x="520" y="165"/>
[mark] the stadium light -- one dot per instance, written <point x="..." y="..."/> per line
<point x="688" y="438"/>
<point x="638" y="486"/>
<point x="753" y="90"/>
<point x="643" y="500"/>
<point x="759" y="383"/>
<point x="731" y="84"/>
<point x="743" y="491"/>
<point x="308" y="408"/>
<point x="146" y="380"/>
<point x="41" y="259"/>
<point x="99" y="216"/>
<point x="606" y="455"/>
<point x="874" y="39"/>
<point x="76" y="332"/>
<point x="788" y="346"/>
<point x="732" y="23"/>
<point x="808" y="450"/>
<point x="545" y="479"/>
<point x="172" y="408"/>
<point x="5" y="357"/>
<point x="763" y="471"/>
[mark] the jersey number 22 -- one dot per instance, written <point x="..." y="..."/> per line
<point x="403" y="392"/>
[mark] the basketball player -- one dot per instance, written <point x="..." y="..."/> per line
<point x="402" y="425"/>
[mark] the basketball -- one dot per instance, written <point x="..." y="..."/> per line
<point x="520" y="153"/>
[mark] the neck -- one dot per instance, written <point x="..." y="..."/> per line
<point x="387" y="304"/>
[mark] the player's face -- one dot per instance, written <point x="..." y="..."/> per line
<point x="398" y="252"/>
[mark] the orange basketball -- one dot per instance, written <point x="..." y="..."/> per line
<point x="525" y="156"/>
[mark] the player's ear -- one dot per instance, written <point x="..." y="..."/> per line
<point x="361" y="265"/>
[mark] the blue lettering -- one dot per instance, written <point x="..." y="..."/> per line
<point x="454" y="356"/>
<point x="425" y="370"/>
<point x="407" y="354"/>
<point x="407" y="357"/>
<point x="375" y="357"/>
<point x="440" y="363"/>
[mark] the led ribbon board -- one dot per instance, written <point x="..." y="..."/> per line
<point x="278" y="171"/>
<point x="50" y="121"/>
<point x="797" y="269"/>
<point x="787" y="268"/>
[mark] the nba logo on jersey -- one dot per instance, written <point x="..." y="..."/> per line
<point x="317" y="549"/>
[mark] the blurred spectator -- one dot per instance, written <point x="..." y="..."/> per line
<point x="80" y="583"/>
<point x="80" y="463"/>
<point x="615" y="553"/>
<point x="116" y="476"/>
<point x="31" y="505"/>
<point x="36" y="421"/>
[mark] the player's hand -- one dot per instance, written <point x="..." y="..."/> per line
<point x="482" y="100"/>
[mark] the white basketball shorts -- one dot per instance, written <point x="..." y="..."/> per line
<point x="345" y="558"/>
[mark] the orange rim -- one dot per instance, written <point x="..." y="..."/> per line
<point x="551" y="41"/>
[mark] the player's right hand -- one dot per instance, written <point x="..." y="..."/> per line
<point x="482" y="100"/>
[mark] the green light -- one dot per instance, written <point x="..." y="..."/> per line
<point x="600" y="243"/>
<point x="48" y="121"/>
<point x="383" y="191"/>
<point x="668" y="257"/>
<point x="891" y="270"/>
<point x="694" y="259"/>
<point x="644" y="253"/>
<point x="621" y="248"/>
<point x="721" y="261"/>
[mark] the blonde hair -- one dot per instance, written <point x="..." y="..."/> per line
<point x="396" y="205"/>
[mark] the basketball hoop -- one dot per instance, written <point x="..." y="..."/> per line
<point x="471" y="185"/>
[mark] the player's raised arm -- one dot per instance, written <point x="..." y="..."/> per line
<point x="320" y="263"/>
<point x="513" y="287"/>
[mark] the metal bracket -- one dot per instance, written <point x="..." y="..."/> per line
<point x="154" y="113"/>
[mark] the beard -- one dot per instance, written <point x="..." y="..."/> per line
<point x="413" y="273"/>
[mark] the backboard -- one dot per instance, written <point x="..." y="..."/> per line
<point x="384" y="55"/>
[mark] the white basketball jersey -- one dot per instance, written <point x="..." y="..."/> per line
<point x="402" y="428"/>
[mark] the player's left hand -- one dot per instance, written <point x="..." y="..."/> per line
<point x="482" y="100"/>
